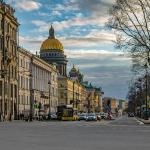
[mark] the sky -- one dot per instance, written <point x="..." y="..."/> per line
<point x="80" y="25"/>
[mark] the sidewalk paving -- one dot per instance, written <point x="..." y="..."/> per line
<point x="144" y="121"/>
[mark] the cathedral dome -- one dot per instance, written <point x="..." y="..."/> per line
<point x="51" y="43"/>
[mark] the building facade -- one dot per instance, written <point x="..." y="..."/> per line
<point x="111" y="105"/>
<point x="44" y="85"/>
<point x="93" y="101"/>
<point x="71" y="93"/>
<point x="24" y="74"/>
<point x="8" y="62"/>
<point x="38" y="84"/>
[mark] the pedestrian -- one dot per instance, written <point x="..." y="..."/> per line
<point x="10" y="117"/>
<point x="0" y="116"/>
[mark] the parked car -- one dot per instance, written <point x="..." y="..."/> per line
<point x="103" y="115"/>
<point x="26" y="115"/>
<point x="82" y="116"/>
<point x="130" y="114"/>
<point x="98" y="116"/>
<point x="91" y="117"/>
<point x="53" y="116"/>
<point x="145" y="114"/>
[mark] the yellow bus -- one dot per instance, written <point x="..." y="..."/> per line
<point x="66" y="113"/>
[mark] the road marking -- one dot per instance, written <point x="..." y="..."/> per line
<point x="138" y="121"/>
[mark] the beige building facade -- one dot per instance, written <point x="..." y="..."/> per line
<point x="8" y="62"/>
<point x="24" y="80"/>
<point x="38" y="84"/>
<point x="44" y="84"/>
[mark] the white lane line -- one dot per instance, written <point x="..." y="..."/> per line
<point x="138" y="121"/>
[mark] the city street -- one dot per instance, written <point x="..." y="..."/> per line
<point x="123" y="133"/>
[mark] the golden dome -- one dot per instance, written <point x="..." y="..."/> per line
<point x="51" y="43"/>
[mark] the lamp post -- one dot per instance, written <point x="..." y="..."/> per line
<point x="146" y="90"/>
<point x="89" y="104"/>
<point x="66" y="96"/>
<point x="73" y="93"/>
<point x="49" y="83"/>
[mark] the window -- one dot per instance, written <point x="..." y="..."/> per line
<point x="19" y="99"/>
<point x="21" y="62"/>
<point x="12" y="71"/>
<point x="27" y="65"/>
<point x="0" y="88"/>
<point x="27" y="100"/>
<point x="1" y="43"/>
<point x="61" y="95"/>
<point x="0" y="24"/>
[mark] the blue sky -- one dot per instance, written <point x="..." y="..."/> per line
<point x="80" y="26"/>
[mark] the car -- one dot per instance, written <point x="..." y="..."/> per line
<point x="82" y="116"/>
<point x="145" y="114"/>
<point x="130" y="114"/>
<point x="98" y="116"/>
<point x="91" y="117"/>
<point x="103" y="115"/>
<point x="53" y="116"/>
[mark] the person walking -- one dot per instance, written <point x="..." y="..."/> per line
<point x="0" y="117"/>
<point x="10" y="117"/>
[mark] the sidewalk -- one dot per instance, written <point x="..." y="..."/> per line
<point x="144" y="121"/>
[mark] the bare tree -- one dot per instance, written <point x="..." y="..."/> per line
<point x="131" y="21"/>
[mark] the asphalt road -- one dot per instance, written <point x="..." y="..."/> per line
<point x="121" y="134"/>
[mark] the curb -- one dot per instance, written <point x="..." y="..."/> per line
<point x="144" y="121"/>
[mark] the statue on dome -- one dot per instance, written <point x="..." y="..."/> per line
<point x="51" y="32"/>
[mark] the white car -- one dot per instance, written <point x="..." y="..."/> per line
<point x="91" y="117"/>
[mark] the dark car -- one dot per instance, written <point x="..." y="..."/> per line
<point x="130" y="114"/>
<point x="103" y="115"/>
<point x="145" y="114"/>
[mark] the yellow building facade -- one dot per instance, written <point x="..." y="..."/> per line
<point x="71" y="93"/>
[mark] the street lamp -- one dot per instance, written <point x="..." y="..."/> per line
<point x="73" y="93"/>
<point x="89" y="103"/>
<point x="66" y="96"/>
<point x="49" y="83"/>
<point x="146" y="86"/>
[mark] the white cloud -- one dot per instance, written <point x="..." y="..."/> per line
<point x="28" y="5"/>
<point x="102" y="34"/>
<point x="56" y="13"/>
<point x="93" y="54"/>
<point x="66" y="7"/>
<point x="77" y="21"/>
